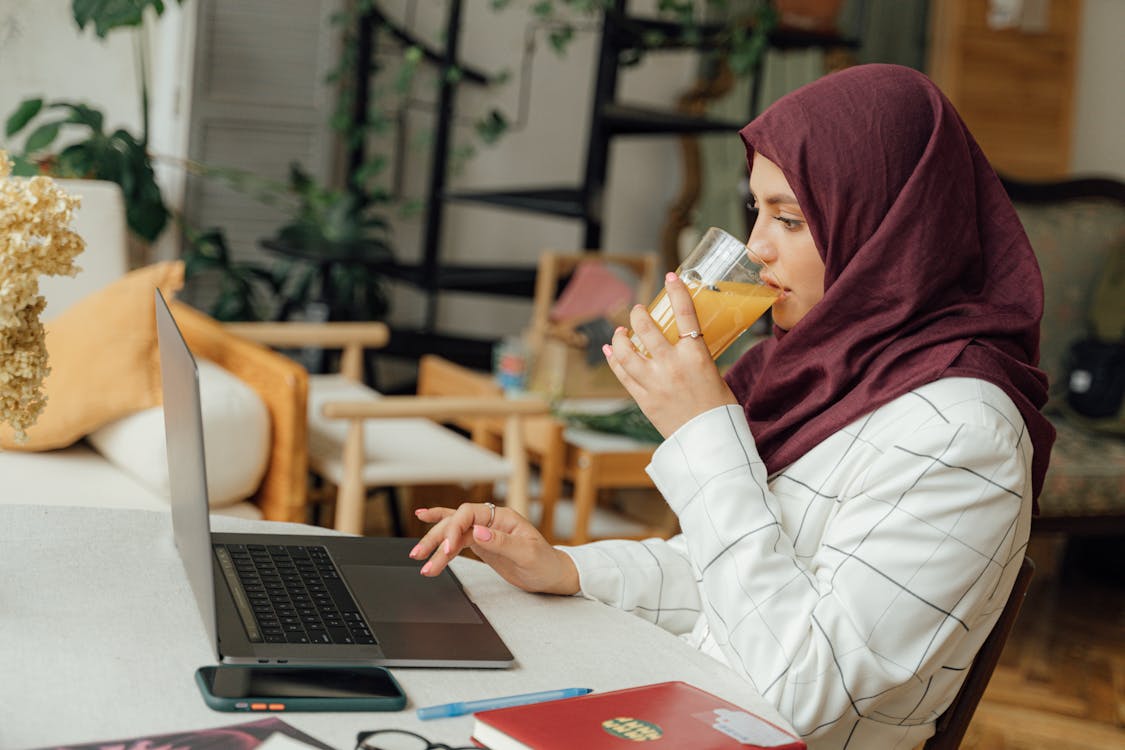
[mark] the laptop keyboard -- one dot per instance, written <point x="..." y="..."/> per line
<point x="291" y="594"/>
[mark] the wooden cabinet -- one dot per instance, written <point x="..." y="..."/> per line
<point x="1012" y="78"/>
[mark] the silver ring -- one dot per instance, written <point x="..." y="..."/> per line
<point x="691" y="335"/>
<point x="491" y="514"/>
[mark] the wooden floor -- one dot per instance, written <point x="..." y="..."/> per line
<point x="1060" y="684"/>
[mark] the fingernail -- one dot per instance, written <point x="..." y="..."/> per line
<point x="619" y="329"/>
<point x="669" y="277"/>
<point x="426" y="568"/>
<point x="445" y="546"/>
<point x="638" y="307"/>
<point x="414" y="552"/>
<point x="419" y="511"/>
<point x="482" y="533"/>
<point x="607" y="350"/>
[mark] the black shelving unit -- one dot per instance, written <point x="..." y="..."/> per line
<point x="581" y="202"/>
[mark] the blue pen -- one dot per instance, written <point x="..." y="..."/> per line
<point x="467" y="707"/>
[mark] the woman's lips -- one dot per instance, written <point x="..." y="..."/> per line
<point x="770" y="282"/>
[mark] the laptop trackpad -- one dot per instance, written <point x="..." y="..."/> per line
<point x="394" y="593"/>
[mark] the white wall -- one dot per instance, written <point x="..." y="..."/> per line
<point x="43" y="54"/>
<point x="1099" y="111"/>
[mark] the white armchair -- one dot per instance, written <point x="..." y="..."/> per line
<point x="361" y="440"/>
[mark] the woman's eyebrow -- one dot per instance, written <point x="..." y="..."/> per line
<point x="778" y="199"/>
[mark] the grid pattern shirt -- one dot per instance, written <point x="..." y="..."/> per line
<point x="854" y="587"/>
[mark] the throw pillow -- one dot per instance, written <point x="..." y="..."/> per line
<point x="103" y="357"/>
<point x="236" y="436"/>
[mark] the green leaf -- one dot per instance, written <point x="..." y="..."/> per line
<point x="491" y="127"/>
<point x="24" y="167"/>
<point x="77" y="160"/>
<point x="370" y="169"/>
<point x="560" y="38"/>
<point x="82" y="114"/>
<point x="24" y="113"/>
<point x="630" y="421"/>
<point x="42" y="137"/>
<point x="107" y="15"/>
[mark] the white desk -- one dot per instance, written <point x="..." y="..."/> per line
<point x="99" y="639"/>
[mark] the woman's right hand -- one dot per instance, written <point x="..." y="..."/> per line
<point x="512" y="546"/>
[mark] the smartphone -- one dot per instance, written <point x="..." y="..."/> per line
<point x="255" y="687"/>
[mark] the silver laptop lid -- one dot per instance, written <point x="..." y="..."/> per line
<point x="187" y="470"/>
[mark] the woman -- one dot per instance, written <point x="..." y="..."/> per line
<point x="855" y="497"/>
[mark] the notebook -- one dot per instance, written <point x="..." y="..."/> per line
<point x="287" y="598"/>
<point x="675" y="715"/>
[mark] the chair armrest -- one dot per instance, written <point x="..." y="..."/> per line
<point x="514" y="413"/>
<point x="283" y="386"/>
<point x="351" y="337"/>
<point x="439" y="408"/>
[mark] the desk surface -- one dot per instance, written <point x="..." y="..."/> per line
<point x="99" y="639"/>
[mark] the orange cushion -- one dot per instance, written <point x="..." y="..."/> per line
<point x="103" y="357"/>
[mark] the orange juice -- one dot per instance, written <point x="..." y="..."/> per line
<point x="724" y="309"/>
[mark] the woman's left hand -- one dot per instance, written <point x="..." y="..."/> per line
<point x="677" y="382"/>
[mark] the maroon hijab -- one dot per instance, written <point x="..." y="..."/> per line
<point x="928" y="272"/>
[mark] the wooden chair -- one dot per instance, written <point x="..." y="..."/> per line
<point x="952" y="724"/>
<point x="557" y="348"/>
<point x="360" y="440"/>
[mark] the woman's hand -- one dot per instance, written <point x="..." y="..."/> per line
<point x="512" y="546"/>
<point x="677" y="381"/>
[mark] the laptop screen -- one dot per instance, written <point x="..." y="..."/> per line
<point x="187" y="471"/>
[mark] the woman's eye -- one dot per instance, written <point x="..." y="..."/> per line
<point x="752" y="207"/>
<point x="790" y="224"/>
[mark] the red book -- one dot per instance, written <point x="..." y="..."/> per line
<point x="673" y="715"/>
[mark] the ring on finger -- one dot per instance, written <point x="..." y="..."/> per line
<point x="691" y="335"/>
<point x="491" y="514"/>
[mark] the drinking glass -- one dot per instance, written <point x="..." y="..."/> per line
<point x="727" y="290"/>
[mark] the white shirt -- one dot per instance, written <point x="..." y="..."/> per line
<point x="854" y="587"/>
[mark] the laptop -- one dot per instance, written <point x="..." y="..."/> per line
<point x="294" y="599"/>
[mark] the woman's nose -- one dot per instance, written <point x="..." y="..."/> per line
<point x="760" y="247"/>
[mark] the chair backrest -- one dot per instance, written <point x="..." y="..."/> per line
<point x="438" y="376"/>
<point x="952" y="724"/>
<point x="100" y="221"/>
<point x="558" y="350"/>
<point x="554" y="267"/>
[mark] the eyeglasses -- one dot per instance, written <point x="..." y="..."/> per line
<point x="400" y="739"/>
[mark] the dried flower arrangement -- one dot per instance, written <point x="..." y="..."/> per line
<point x="35" y="239"/>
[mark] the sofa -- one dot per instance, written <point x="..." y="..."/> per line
<point x="100" y="439"/>
<point x="1076" y="227"/>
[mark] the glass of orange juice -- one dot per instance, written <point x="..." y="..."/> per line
<point x="725" y="285"/>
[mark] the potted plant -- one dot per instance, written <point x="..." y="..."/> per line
<point x="88" y="151"/>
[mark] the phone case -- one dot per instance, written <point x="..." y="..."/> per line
<point x="275" y="705"/>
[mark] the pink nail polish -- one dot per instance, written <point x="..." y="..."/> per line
<point x="482" y="533"/>
<point x="607" y="350"/>
<point x="426" y="568"/>
<point x="414" y="552"/>
<point x="445" y="546"/>
<point x="669" y="277"/>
